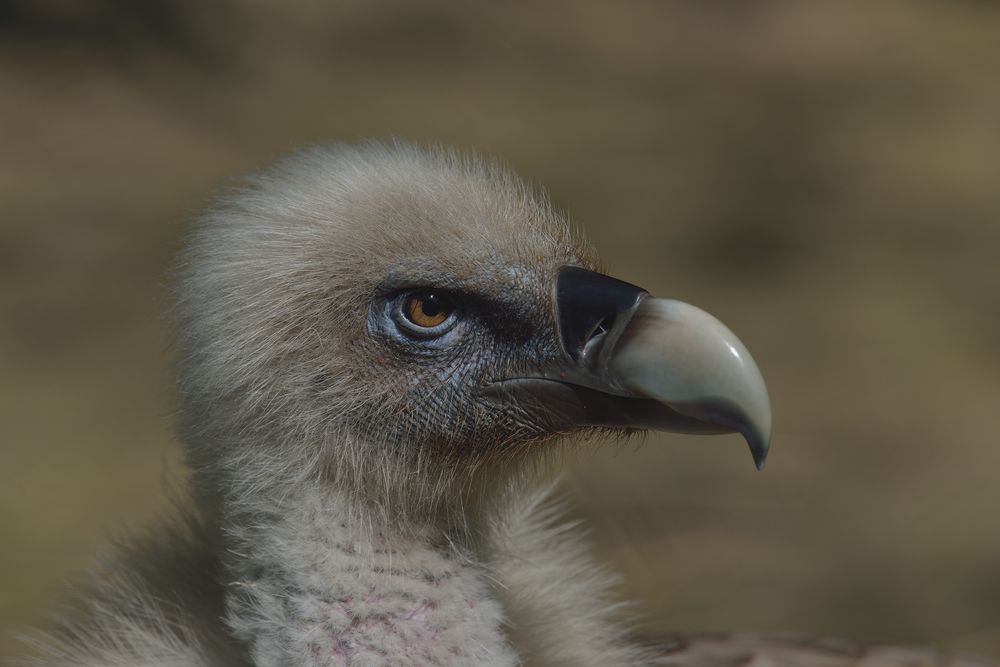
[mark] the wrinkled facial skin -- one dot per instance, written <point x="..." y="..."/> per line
<point x="440" y="378"/>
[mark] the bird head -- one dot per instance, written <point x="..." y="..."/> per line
<point x="393" y="312"/>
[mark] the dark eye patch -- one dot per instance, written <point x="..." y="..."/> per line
<point x="516" y="321"/>
<point x="514" y="314"/>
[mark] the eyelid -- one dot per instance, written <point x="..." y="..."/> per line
<point x="394" y="285"/>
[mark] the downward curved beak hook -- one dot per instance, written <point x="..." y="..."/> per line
<point x="685" y="358"/>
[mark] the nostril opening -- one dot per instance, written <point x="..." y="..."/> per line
<point x="603" y="327"/>
<point x="588" y="307"/>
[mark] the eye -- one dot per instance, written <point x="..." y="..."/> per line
<point x="427" y="312"/>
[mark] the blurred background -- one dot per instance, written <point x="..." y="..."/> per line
<point x="823" y="176"/>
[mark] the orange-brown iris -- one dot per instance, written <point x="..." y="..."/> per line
<point x="427" y="309"/>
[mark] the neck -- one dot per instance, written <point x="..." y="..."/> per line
<point x="316" y="568"/>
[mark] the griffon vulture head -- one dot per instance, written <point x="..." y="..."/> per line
<point x="399" y="318"/>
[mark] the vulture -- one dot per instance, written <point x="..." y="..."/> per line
<point x="380" y="348"/>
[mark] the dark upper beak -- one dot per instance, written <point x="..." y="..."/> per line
<point x="633" y="361"/>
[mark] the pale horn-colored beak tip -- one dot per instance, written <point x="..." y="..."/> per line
<point x="688" y="360"/>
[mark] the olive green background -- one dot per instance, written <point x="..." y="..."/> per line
<point x="823" y="176"/>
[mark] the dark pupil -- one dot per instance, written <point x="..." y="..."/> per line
<point x="432" y="305"/>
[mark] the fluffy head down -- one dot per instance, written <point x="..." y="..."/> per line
<point x="292" y="353"/>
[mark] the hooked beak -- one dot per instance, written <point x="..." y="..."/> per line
<point x="636" y="362"/>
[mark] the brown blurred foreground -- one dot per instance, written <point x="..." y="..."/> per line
<point x="823" y="176"/>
